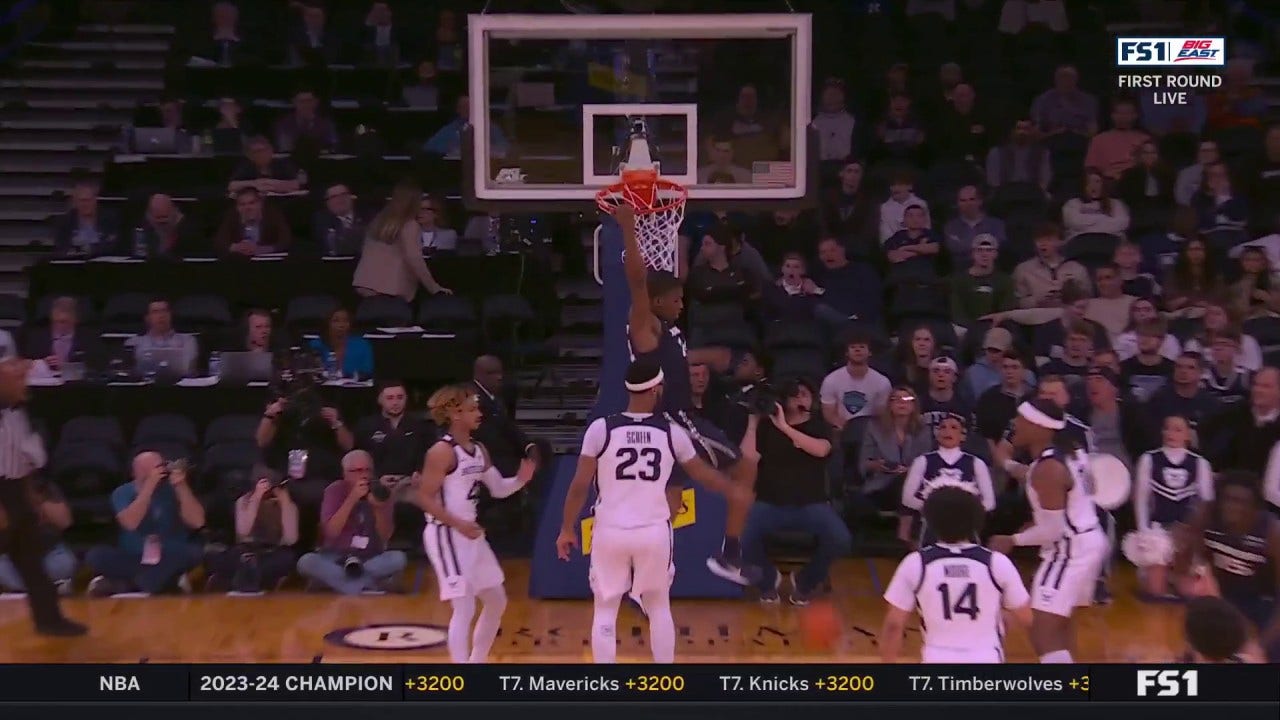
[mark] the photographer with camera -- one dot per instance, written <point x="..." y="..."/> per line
<point x="793" y="443"/>
<point x="266" y="531"/>
<point x="356" y="521"/>
<point x="156" y="512"/>
<point x="303" y="439"/>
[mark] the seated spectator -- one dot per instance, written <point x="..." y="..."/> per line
<point x="339" y="228"/>
<point x="1120" y="429"/>
<point x="1065" y="107"/>
<point x="166" y="232"/>
<point x="391" y="257"/>
<point x="1053" y="324"/>
<point x="1191" y="178"/>
<point x="1184" y="396"/>
<point x="894" y="439"/>
<point x="266" y="530"/>
<point x="711" y="402"/>
<point x="900" y="134"/>
<point x="942" y="397"/>
<point x="59" y="562"/>
<point x="998" y="404"/>
<point x="264" y="171"/>
<point x="982" y="289"/>
<point x="447" y="142"/>
<point x="791" y="492"/>
<point x="171" y="118"/>
<point x="914" y="359"/>
<point x="1147" y="189"/>
<point x="1222" y="213"/>
<point x="63" y="341"/>
<point x="312" y="42"/>
<point x="837" y="128"/>
<point x="1112" y="151"/>
<point x="1039" y="281"/>
<point x="856" y="389"/>
<point x="964" y="130"/>
<point x="224" y="44"/>
<point x="1244" y="435"/>
<point x="394" y="439"/>
<point x="913" y="251"/>
<point x="252" y="228"/>
<point x="1238" y="103"/>
<point x="1141" y="311"/>
<point x="160" y="335"/>
<point x="434" y="236"/>
<point x="1147" y="371"/>
<point x="722" y="168"/>
<point x="971" y="220"/>
<point x="850" y="214"/>
<point x="1133" y="281"/>
<point x="1094" y="211"/>
<point x="305" y="126"/>
<point x="1254" y="294"/>
<point x="852" y="289"/>
<point x="156" y="511"/>
<point x="348" y="355"/>
<point x="1218" y="319"/>
<point x="355" y="526"/>
<point x="86" y="229"/>
<point x="1110" y="308"/>
<point x="744" y="258"/>
<point x="795" y="296"/>
<point x="1071" y="363"/>
<point x="756" y="136"/>
<point x="1022" y="159"/>
<point x="448" y="47"/>
<point x="893" y="211"/>
<point x="1224" y="377"/>
<point x="1266" y="176"/>
<point x="987" y="368"/>
<point x="232" y="132"/>
<point x="382" y="42"/>
<point x="424" y="92"/>
<point x="256" y="334"/>
<point x="1018" y="15"/>
<point x="1194" y="280"/>
<point x="714" y="280"/>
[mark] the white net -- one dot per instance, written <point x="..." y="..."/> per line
<point x="657" y="230"/>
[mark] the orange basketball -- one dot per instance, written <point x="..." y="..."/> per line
<point x="820" y="626"/>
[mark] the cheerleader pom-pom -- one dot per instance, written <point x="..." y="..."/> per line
<point x="1149" y="547"/>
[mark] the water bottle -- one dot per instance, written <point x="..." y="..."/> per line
<point x="331" y="242"/>
<point x="302" y="178"/>
<point x="215" y="364"/>
<point x="139" y="242"/>
<point x="333" y="373"/>
<point x="196" y="145"/>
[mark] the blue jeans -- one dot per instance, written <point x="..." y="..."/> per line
<point x="818" y="518"/>
<point x="59" y="565"/>
<point x="327" y="568"/>
<point x="122" y="565"/>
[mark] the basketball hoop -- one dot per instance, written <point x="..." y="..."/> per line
<point x="659" y="207"/>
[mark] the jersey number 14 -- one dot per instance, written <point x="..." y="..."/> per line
<point x="965" y="604"/>
<point x="639" y="464"/>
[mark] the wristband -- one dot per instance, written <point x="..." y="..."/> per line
<point x="269" y="416"/>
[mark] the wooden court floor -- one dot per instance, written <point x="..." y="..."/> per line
<point x="304" y="628"/>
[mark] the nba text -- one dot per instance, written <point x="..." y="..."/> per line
<point x="1168" y="683"/>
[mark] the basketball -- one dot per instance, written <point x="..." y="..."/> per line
<point x="820" y="626"/>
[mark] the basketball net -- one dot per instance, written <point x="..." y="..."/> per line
<point x="658" y="204"/>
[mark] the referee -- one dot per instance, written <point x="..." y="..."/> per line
<point x="21" y="455"/>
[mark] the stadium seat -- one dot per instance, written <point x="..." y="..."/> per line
<point x="797" y="363"/>
<point x="226" y="465"/>
<point x="124" y="313"/>
<point x="446" y="312"/>
<point x="231" y="428"/>
<point x="510" y="328"/>
<point x="201" y="313"/>
<point x="93" y="428"/>
<point x="166" y="428"/>
<point x="306" y="314"/>
<point x="13" y="312"/>
<point x="382" y="311"/>
<point x="793" y="336"/>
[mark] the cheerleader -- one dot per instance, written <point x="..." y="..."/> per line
<point x="1169" y="482"/>
<point x="947" y="464"/>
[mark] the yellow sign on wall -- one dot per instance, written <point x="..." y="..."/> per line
<point x="687" y="516"/>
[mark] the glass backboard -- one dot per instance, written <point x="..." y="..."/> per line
<point x="725" y="100"/>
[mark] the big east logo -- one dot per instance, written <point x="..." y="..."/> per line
<point x="1170" y="51"/>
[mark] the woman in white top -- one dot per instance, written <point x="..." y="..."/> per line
<point x="1094" y="211"/>
<point x="1217" y="319"/>
<point x="434" y="237"/>
<point x="1126" y="343"/>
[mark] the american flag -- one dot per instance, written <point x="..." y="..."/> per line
<point x="773" y="173"/>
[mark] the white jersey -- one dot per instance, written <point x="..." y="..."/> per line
<point x="1081" y="512"/>
<point x="960" y="593"/>
<point x="461" y="487"/>
<point x="635" y="456"/>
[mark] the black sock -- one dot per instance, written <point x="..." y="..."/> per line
<point x="732" y="550"/>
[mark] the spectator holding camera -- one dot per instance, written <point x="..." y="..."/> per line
<point x="893" y="441"/>
<point x="356" y="521"/>
<point x="266" y="530"/>
<point x="298" y="435"/>
<point x="156" y="512"/>
<point x="791" y="491"/>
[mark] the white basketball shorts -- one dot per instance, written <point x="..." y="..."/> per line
<point x="639" y="559"/>
<point x="463" y="566"/>
<point x="992" y="655"/>
<point x="1068" y="572"/>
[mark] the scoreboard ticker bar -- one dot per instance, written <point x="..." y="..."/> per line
<point x="638" y="683"/>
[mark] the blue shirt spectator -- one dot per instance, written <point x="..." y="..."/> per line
<point x="447" y="142"/>
<point x="351" y="354"/>
<point x="852" y="288"/>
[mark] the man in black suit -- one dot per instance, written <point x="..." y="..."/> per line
<point x="86" y="229"/>
<point x="341" y="218"/>
<point x="62" y="341"/>
<point x="506" y="442"/>
<point x="224" y="44"/>
<point x="312" y="42"/>
<point x="381" y="44"/>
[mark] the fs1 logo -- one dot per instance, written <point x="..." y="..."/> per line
<point x="1184" y="52"/>
<point x="1169" y="683"/>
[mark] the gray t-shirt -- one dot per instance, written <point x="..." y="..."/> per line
<point x="855" y="397"/>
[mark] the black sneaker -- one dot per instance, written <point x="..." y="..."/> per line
<point x="798" y="597"/>
<point x="101" y="587"/>
<point x="730" y="569"/>
<point x="1102" y="593"/>
<point x="772" y="597"/>
<point x="61" y="628"/>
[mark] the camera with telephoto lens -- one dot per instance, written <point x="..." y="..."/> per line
<point x="353" y="567"/>
<point x="761" y="399"/>
<point x="379" y="491"/>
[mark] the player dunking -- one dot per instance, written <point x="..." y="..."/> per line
<point x="632" y="455"/>
<point x="657" y="299"/>
<point x="1073" y="545"/>
<point x="959" y="588"/>
<point x="466" y="568"/>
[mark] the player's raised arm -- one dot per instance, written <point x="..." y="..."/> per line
<point x="640" y="319"/>
<point x="439" y="462"/>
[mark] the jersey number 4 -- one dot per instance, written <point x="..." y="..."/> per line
<point x="965" y="604"/>
<point x="639" y="464"/>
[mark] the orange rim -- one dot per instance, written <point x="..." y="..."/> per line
<point x="644" y="191"/>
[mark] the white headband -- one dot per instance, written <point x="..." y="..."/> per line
<point x="1037" y="416"/>
<point x="653" y="382"/>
